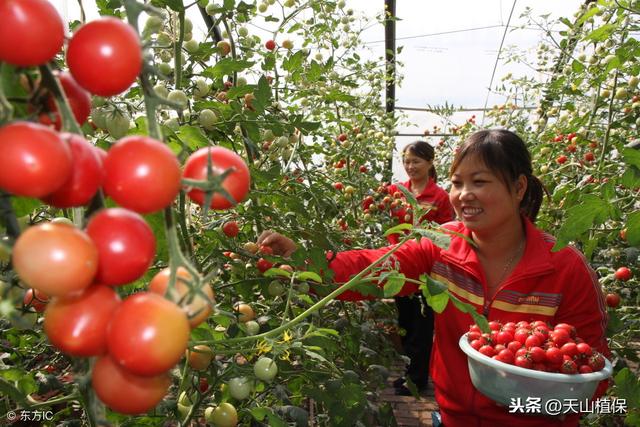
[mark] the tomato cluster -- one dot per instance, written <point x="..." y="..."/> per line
<point x="537" y="346"/>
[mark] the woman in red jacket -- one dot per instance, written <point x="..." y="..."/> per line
<point x="508" y="273"/>
<point x="414" y="315"/>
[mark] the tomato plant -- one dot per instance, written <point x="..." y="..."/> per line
<point x="125" y="242"/>
<point x="141" y="174"/>
<point x="31" y="31"/>
<point x="105" y="47"/>
<point x="34" y="160"/>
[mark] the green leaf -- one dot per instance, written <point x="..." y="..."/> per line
<point x="588" y="14"/>
<point x="633" y="228"/>
<point x="263" y="91"/>
<point x="225" y="67"/>
<point x="24" y="205"/>
<point x="602" y="33"/>
<point x="276" y="272"/>
<point x="193" y="137"/>
<point x="394" y="283"/>
<point x="631" y="177"/>
<point x="577" y="66"/>
<point x="310" y="275"/>
<point x="398" y="229"/>
<point x="437" y="237"/>
<point x="628" y="387"/>
<point x="294" y="62"/>
<point x="580" y="218"/>
<point x="438" y="302"/>
<point x="631" y="157"/>
<point x="432" y="286"/>
<point x="259" y="413"/>
<point x="316" y="356"/>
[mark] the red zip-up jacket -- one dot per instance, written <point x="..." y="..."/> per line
<point x="551" y="286"/>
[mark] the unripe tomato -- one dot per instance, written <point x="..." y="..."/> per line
<point x="265" y="369"/>
<point x="245" y="312"/>
<point x="623" y="273"/>
<point x="105" y="56"/>
<point x="148" y="334"/>
<point x="124" y="391"/>
<point x="86" y="175"/>
<point x="224" y="47"/>
<point x="77" y="324"/>
<point x="31" y="31"/>
<point x="34" y="160"/>
<point x="224" y="415"/>
<point x="141" y="174"/>
<point x="200" y="357"/>
<point x="253" y="327"/>
<point x="126" y="245"/>
<point x="239" y="387"/>
<point x="197" y="307"/>
<point x="275" y="288"/>
<point x="56" y="259"/>
<point x="235" y="183"/>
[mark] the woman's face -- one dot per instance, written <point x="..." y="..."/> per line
<point x="481" y="199"/>
<point x="416" y="167"/>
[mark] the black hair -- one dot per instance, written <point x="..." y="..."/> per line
<point x="506" y="155"/>
<point x="425" y="151"/>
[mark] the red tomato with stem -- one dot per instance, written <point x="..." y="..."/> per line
<point x="126" y="245"/>
<point x="141" y="174"/>
<point x="79" y="101"/>
<point x="35" y="299"/>
<point x="124" y="391"/>
<point x="57" y="259"/>
<point x="77" y="324"/>
<point x="105" y="56"/>
<point x="613" y="300"/>
<point x="148" y="334"/>
<point x="31" y="31"/>
<point x="197" y="305"/>
<point x="34" y="160"/>
<point x="86" y="175"/>
<point x="236" y="183"/>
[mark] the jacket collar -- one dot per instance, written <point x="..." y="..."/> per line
<point x="536" y="257"/>
<point x="429" y="189"/>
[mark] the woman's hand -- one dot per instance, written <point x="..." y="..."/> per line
<point x="280" y="244"/>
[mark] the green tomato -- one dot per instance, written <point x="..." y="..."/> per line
<point x="161" y="90"/>
<point x="192" y="46"/>
<point x="243" y="31"/>
<point x="253" y="327"/>
<point x="184" y="410"/>
<point x="208" y="119"/>
<point x="117" y="124"/>
<point x="153" y="24"/>
<point x="262" y="7"/>
<point x="179" y="97"/>
<point x="165" y="69"/>
<point x="265" y="369"/>
<point x="275" y="288"/>
<point x="240" y="388"/>
<point x="172" y="124"/>
<point x="211" y="9"/>
<point x="99" y="117"/>
<point x="164" y="39"/>
<point x="242" y="81"/>
<point x="224" y="415"/>
<point x="201" y="89"/>
<point x="188" y="25"/>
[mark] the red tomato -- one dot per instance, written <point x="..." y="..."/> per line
<point x="31" y="31"/>
<point x="34" y="160"/>
<point x="79" y="100"/>
<point x="148" y="334"/>
<point x="85" y="178"/>
<point x="57" y="259"/>
<point x="270" y="44"/>
<point x="196" y="306"/>
<point x="141" y="174"/>
<point x="230" y="229"/>
<point x="263" y="265"/>
<point x="613" y="300"/>
<point x="623" y="273"/>
<point x="125" y="392"/>
<point x="126" y="245"/>
<point x="523" y="362"/>
<point x="105" y="56"/>
<point x="35" y="299"/>
<point x="561" y="159"/>
<point x="235" y="183"/>
<point x="554" y="356"/>
<point x="77" y="325"/>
